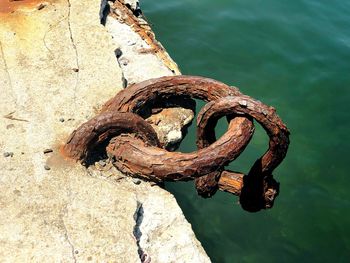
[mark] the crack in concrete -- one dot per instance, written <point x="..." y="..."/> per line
<point x="76" y="53"/>
<point x="132" y="16"/>
<point x="66" y="235"/>
<point x="89" y="172"/>
<point x="69" y="241"/>
<point x="49" y="30"/>
<point x="138" y="217"/>
<point x="105" y="10"/>
<point x="118" y="53"/>
<point x="8" y="73"/>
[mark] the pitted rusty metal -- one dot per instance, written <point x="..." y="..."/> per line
<point x="264" y="115"/>
<point x="135" y="157"/>
<point x="138" y="95"/>
<point x="104" y="126"/>
<point x="141" y="155"/>
<point x="259" y="177"/>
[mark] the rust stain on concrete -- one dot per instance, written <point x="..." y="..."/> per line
<point x="9" y="6"/>
<point x="22" y="23"/>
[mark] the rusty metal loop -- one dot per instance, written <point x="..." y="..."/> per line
<point x="107" y="125"/>
<point x="133" y="98"/>
<point x="133" y="156"/>
<point x="265" y="115"/>
<point x="259" y="189"/>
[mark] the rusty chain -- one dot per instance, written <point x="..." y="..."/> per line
<point x="122" y="133"/>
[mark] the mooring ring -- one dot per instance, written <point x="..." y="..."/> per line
<point x="103" y="126"/>
<point x="134" y="157"/>
<point x="266" y="116"/>
<point x="259" y="189"/>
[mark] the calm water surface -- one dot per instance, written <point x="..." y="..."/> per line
<point x="294" y="55"/>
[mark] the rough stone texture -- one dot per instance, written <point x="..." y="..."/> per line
<point x="57" y="67"/>
<point x="132" y="58"/>
<point x="134" y="52"/>
<point x="169" y="124"/>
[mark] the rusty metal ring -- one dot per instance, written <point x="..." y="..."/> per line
<point x="260" y="189"/>
<point x="134" y="97"/>
<point x="134" y="157"/>
<point x="266" y="116"/>
<point x="106" y="125"/>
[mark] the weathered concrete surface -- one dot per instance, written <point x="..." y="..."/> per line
<point x="57" y="67"/>
<point x="137" y="47"/>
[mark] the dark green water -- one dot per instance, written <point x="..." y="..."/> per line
<point x="295" y="56"/>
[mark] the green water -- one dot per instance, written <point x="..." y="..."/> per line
<point x="294" y="55"/>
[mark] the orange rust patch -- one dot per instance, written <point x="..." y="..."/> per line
<point x="9" y="6"/>
<point x="58" y="158"/>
